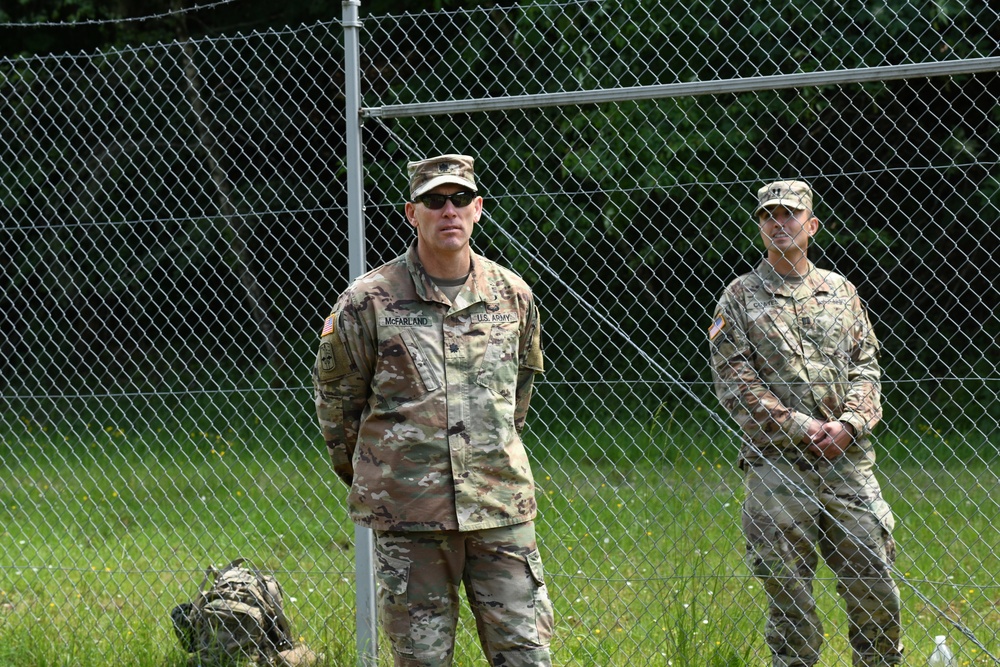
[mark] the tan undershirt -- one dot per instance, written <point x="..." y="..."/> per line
<point x="451" y="287"/>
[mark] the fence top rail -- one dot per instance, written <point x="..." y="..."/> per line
<point x="688" y="89"/>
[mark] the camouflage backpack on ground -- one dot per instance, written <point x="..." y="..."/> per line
<point x="239" y="618"/>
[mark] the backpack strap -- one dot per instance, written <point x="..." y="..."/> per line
<point x="279" y="621"/>
<point x="212" y="573"/>
<point x="199" y="598"/>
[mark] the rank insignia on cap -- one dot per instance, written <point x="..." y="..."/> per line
<point x="717" y="326"/>
<point x="327" y="326"/>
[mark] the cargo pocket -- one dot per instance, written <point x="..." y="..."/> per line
<point x="402" y="372"/>
<point x="421" y="361"/>
<point x="835" y="377"/>
<point x="498" y="370"/>
<point x="228" y="630"/>
<point x="393" y="575"/>
<point x="887" y="523"/>
<point x="544" y="618"/>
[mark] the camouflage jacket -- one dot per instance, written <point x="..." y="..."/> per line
<point x="421" y="401"/>
<point x="784" y="351"/>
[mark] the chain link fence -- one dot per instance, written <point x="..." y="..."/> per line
<point x="175" y="229"/>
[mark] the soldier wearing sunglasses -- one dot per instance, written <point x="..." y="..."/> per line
<point x="422" y="384"/>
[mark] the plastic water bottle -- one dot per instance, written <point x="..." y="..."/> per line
<point x="942" y="655"/>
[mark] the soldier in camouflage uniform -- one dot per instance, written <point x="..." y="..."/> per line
<point x="795" y="364"/>
<point x="422" y="383"/>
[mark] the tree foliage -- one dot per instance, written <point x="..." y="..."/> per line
<point x="639" y="202"/>
<point x="646" y="204"/>
<point x="72" y="26"/>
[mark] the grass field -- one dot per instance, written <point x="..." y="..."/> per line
<point x="105" y="529"/>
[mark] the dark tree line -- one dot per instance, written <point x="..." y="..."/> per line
<point x="93" y="25"/>
<point x="906" y="173"/>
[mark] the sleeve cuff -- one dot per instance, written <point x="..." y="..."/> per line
<point x="856" y="422"/>
<point x="796" y="428"/>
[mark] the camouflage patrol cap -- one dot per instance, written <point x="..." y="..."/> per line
<point x="432" y="172"/>
<point x="793" y="195"/>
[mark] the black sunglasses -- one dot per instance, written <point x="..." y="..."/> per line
<point x="434" y="201"/>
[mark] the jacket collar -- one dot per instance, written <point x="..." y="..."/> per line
<point x="813" y="282"/>
<point x="477" y="288"/>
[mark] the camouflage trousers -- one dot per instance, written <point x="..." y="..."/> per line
<point x="419" y="574"/>
<point x="794" y="508"/>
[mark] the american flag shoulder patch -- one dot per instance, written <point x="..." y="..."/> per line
<point x="718" y="325"/>
<point x="328" y="325"/>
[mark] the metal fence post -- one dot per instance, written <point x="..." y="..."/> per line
<point x="365" y="617"/>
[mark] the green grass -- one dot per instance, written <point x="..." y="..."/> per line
<point x="106" y="527"/>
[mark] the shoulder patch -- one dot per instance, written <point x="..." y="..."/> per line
<point x="328" y="326"/>
<point x="331" y="360"/>
<point x="717" y="326"/>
